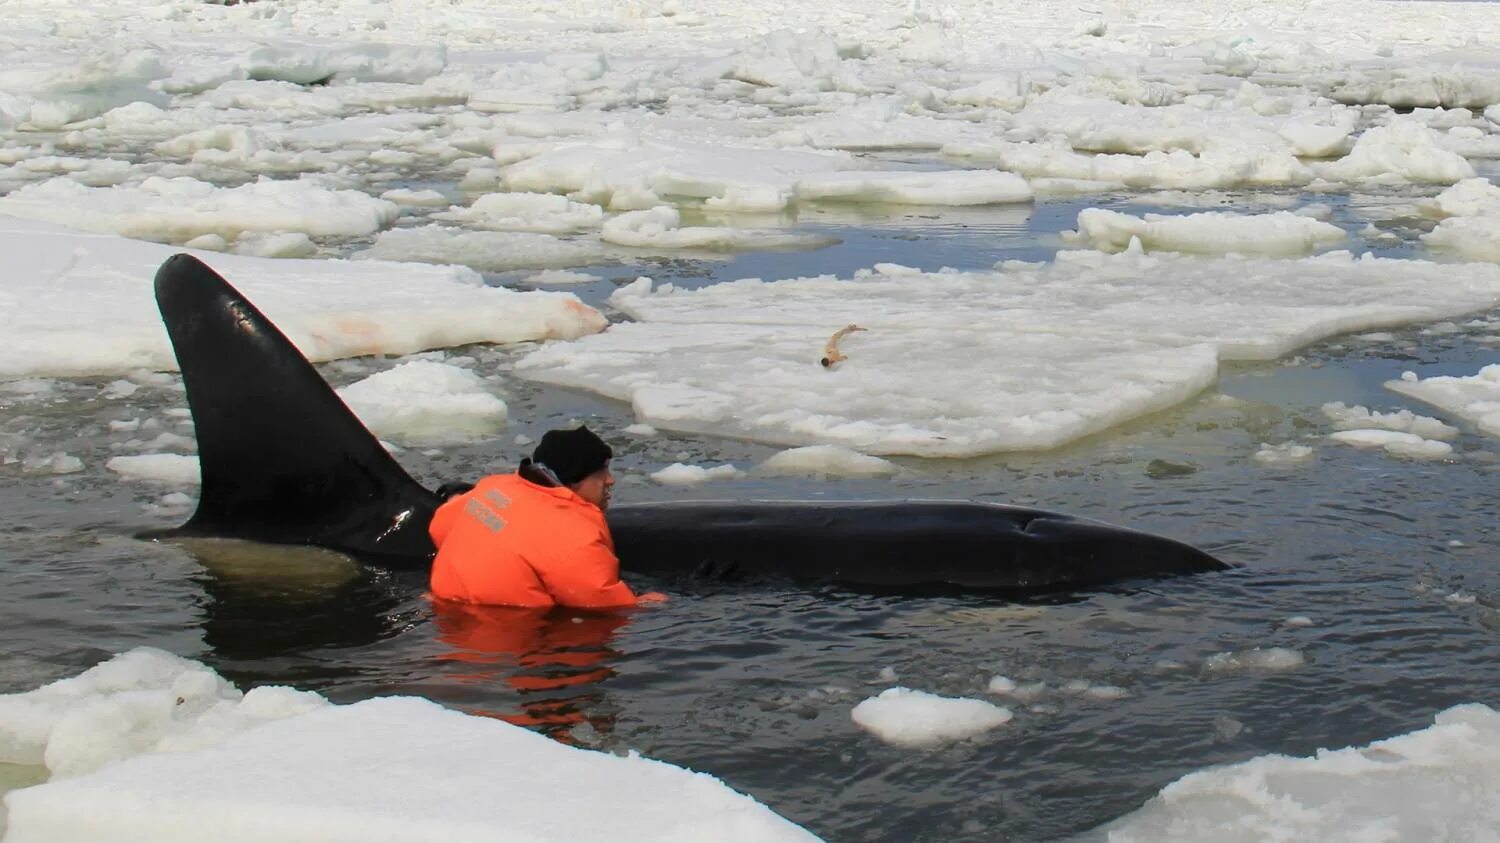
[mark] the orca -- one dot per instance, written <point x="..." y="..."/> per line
<point x="284" y="461"/>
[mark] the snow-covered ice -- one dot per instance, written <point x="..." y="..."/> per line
<point x="160" y="748"/>
<point x="426" y="402"/>
<point x="1283" y="455"/>
<point x="166" y="469"/>
<point x="1469" y="220"/>
<point x="1359" y="417"/>
<point x="827" y="460"/>
<point x="1029" y="356"/>
<point x="1475" y="398"/>
<point x="75" y="304"/>
<point x="916" y="719"/>
<point x="1281" y="233"/>
<point x="276" y="139"/>
<point x="1433" y="783"/>
<point x="681" y="474"/>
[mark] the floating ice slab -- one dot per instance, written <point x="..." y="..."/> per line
<point x="390" y="769"/>
<point x="1210" y="233"/>
<point x="167" y="469"/>
<point x="630" y="174"/>
<point x="1359" y="417"/>
<point x="1395" y="442"/>
<point x="1284" y="455"/>
<point x="1439" y="783"/>
<point x="661" y="228"/>
<point x="1230" y="166"/>
<point x="916" y="719"/>
<point x="1030" y="356"/>
<point x="1253" y="118"/>
<point x="426" y="402"/>
<point x="681" y="474"/>
<point x="822" y="460"/>
<point x="179" y="209"/>
<point x="74" y="303"/>
<point x="1469" y="214"/>
<point x="1405" y="150"/>
<point x="188" y="758"/>
<point x="1475" y="398"/>
<point x="537" y="212"/>
<point x="495" y="251"/>
<point x="951" y="187"/>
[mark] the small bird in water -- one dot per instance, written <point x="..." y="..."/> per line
<point x="831" y="353"/>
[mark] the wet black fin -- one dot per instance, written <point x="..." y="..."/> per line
<point x="282" y="458"/>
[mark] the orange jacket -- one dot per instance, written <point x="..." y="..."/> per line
<point x="511" y="542"/>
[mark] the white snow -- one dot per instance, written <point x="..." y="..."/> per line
<point x="1281" y="233"/>
<point x="1283" y="455"/>
<point x="1475" y="398"/>
<point x="161" y="749"/>
<point x="1436" y="783"/>
<point x="1395" y="442"/>
<point x="955" y="187"/>
<point x="1469" y="220"/>
<point x="1403" y="150"/>
<point x="1029" y="356"/>
<point x="167" y="469"/>
<point x="507" y="136"/>
<point x="178" y="209"/>
<point x="426" y="402"/>
<point x="917" y="719"/>
<point x="75" y="303"/>
<point x="1345" y="417"/>
<point x="826" y="460"/>
<point x="537" y="212"/>
<point x="661" y="228"/>
<point x="596" y="134"/>
<point x="491" y="251"/>
<point x="681" y="474"/>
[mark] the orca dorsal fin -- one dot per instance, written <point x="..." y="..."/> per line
<point x="282" y="458"/>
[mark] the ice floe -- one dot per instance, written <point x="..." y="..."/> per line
<point x="79" y="303"/>
<point x="161" y="748"/>
<point x="1029" y="356"/>
<point x="917" y="719"/>
<point x="1474" y="398"/>
<point x="1434" y="783"/>
<point x="426" y="402"/>
<point x="1280" y="233"/>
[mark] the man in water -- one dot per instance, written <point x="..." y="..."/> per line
<point x="536" y="537"/>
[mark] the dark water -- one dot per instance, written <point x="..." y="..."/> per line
<point x="1396" y="564"/>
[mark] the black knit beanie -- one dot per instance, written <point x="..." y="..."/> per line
<point x="572" y="454"/>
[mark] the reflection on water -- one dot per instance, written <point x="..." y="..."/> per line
<point x="554" y="658"/>
<point x="264" y="604"/>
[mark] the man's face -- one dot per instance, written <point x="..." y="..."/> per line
<point x="595" y="488"/>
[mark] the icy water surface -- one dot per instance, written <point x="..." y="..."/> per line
<point x="1376" y="577"/>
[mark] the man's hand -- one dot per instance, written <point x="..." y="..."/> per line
<point x="650" y="597"/>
